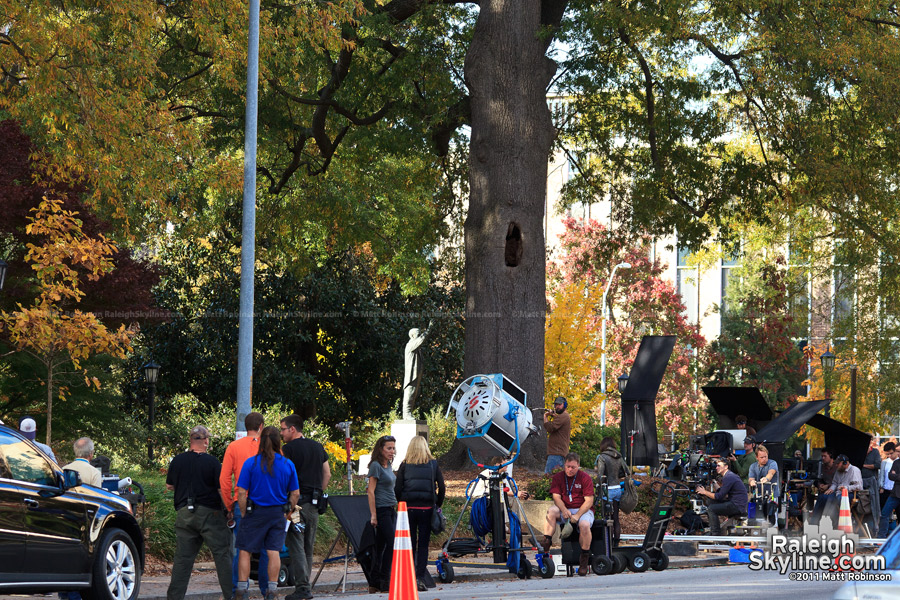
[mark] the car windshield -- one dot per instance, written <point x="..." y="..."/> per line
<point x="20" y="461"/>
<point x="891" y="551"/>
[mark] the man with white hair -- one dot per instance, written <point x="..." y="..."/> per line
<point x="84" y="452"/>
<point x="28" y="428"/>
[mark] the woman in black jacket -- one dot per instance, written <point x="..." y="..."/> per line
<point x="421" y="485"/>
<point x="611" y="465"/>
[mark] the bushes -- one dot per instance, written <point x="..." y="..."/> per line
<point x="587" y="442"/>
<point x="539" y="489"/>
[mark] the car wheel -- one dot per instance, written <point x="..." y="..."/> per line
<point x="116" y="573"/>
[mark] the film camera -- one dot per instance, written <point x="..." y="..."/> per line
<point x="698" y="469"/>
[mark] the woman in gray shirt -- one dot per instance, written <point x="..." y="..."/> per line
<point x="383" y="508"/>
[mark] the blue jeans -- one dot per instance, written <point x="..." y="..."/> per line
<point x="554" y="461"/>
<point x="263" y="559"/>
<point x="890" y="505"/>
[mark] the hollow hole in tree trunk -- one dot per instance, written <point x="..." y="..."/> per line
<point x="513" y="252"/>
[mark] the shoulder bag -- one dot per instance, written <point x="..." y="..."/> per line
<point x="629" y="493"/>
<point x="438" y="520"/>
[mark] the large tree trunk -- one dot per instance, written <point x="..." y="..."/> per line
<point x="507" y="74"/>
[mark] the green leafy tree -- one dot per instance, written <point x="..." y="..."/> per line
<point x="328" y="345"/>
<point x="757" y="346"/>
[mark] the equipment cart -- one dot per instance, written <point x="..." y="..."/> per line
<point x="487" y="517"/>
<point x="650" y="553"/>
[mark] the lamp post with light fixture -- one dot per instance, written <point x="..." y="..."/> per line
<point x="151" y="374"/>
<point x="827" y="359"/>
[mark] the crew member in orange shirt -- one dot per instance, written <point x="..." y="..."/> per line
<point x="237" y="452"/>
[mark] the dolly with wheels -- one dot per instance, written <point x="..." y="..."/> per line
<point x="650" y="555"/>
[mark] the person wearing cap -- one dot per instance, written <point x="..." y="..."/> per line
<point x="28" y="428"/>
<point x="559" y="429"/>
<point x="742" y="423"/>
<point x="84" y="453"/>
<point x="730" y="500"/>
<point x="741" y="464"/>
<point x="572" y="491"/>
<point x="846" y="477"/>
<point x="199" y="515"/>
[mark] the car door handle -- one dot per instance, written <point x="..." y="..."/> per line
<point x="31" y="502"/>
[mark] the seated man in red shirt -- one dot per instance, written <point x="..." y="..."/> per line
<point x="573" y="500"/>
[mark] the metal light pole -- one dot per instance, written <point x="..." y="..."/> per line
<point x="248" y="229"/>
<point x="3" y="267"/>
<point x="151" y="374"/>
<point x="604" y="311"/>
<point x="827" y="359"/>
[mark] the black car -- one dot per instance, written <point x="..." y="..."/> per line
<point x="59" y="535"/>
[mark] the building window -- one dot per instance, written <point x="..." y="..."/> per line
<point x="728" y="264"/>
<point x="688" y="286"/>
<point x="844" y="284"/>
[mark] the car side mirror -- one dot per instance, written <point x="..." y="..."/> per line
<point x="70" y="479"/>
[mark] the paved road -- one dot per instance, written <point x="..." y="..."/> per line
<point x="712" y="583"/>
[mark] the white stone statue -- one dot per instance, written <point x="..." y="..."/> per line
<point x="412" y="374"/>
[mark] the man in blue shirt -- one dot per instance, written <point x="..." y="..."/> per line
<point x="268" y="484"/>
<point x="730" y="499"/>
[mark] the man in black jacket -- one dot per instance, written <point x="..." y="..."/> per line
<point x="730" y="499"/>
<point x="311" y="461"/>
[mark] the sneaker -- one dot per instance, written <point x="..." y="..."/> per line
<point x="546" y="543"/>
<point x="584" y="563"/>
<point x="374" y="590"/>
<point x="240" y="594"/>
<point x="420" y="585"/>
<point x="271" y="596"/>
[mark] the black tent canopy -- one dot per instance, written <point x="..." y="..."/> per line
<point x="789" y="422"/>
<point x="843" y="439"/>
<point x="729" y="402"/>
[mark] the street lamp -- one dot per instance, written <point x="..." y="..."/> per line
<point x="151" y="374"/>
<point x="604" y="311"/>
<point x="3" y="267"/>
<point x="827" y="359"/>
<point x="623" y="382"/>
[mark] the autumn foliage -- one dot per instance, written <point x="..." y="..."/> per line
<point x="55" y="334"/>
<point x="642" y="303"/>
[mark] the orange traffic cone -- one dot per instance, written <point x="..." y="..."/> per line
<point x="844" y="522"/>
<point x="403" y="573"/>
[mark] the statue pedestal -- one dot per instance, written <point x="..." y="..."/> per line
<point x="404" y="431"/>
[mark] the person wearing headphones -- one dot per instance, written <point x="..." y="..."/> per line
<point x="559" y="429"/>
